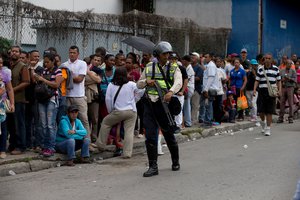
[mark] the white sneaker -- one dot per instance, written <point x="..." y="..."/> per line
<point x="267" y="131"/>
<point x="263" y="126"/>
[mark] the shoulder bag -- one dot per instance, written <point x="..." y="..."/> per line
<point x="174" y="104"/>
<point x="272" y="89"/>
<point x="116" y="95"/>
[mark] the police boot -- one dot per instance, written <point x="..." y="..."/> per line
<point x="153" y="169"/>
<point x="152" y="157"/>
<point x="175" y="157"/>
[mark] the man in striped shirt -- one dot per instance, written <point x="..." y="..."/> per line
<point x="266" y="103"/>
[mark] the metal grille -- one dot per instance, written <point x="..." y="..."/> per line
<point x="39" y="32"/>
<point x="140" y="5"/>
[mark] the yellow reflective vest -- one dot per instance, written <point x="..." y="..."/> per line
<point x="159" y="77"/>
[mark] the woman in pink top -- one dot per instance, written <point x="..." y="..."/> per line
<point x="297" y="64"/>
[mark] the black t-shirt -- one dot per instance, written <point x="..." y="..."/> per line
<point x="250" y="81"/>
<point x="246" y="64"/>
<point x="29" y="91"/>
<point x="184" y="74"/>
<point x="97" y="70"/>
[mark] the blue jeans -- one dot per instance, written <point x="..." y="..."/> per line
<point x="33" y="126"/>
<point x="69" y="146"/>
<point x="38" y="137"/>
<point x="62" y="108"/>
<point x="201" y="108"/>
<point x="187" y="109"/>
<point x="208" y="109"/>
<point x="19" y="140"/>
<point x="297" y="193"/>
<point x="48" y="113"/>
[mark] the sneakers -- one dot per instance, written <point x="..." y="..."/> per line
<point x="215" y="123"/>
<point x="85" y="160"/>
<point x="118" y="152"/>
<point x="240" y="118"/>
<point x="263" y="126"/>
<point x="48" y="152"/>
<point x="16" y="152"/>
<point x="280" y="120"/>
<point x="291" y="120"/>
<point x="253" y="119"/>
<point x="69" y="163"/>
<point x="37" y="149"/>
<point x="2" y="155"/>
<point x="267" y="131"/>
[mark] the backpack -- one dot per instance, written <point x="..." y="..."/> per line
<point x="43" y="92"/>
<point x="69" y="81"/>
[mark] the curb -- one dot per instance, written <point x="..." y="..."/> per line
<point x="36" y="163"/>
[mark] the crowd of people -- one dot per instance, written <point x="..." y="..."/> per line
<point x="53" y="106"/>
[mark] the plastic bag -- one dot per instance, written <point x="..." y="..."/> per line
<point x="242" y="102"/>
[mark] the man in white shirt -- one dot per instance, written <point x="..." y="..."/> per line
<point x="76" y="96"/>
<point x="186" y="61"/>
<point x="210" y="88"/>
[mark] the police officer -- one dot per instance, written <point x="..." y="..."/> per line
<point x="154" y="115"/>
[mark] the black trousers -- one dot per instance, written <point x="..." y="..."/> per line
<point x="155" y="118"/>
<point x="218" y="108"/>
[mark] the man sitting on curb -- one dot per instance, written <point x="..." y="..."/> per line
<point x="71" y="136"/>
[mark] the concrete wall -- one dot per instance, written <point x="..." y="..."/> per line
<point x="276" y="40"/>
<point x="95" y="38"/>
<point x="208" y="13"/>
<point x="244" y="32"/>
<point x="99" y="6"/>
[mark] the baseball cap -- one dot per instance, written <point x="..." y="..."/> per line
<point x="72" y="108"/>
<point x="234" y="55"/>
<point x="253" y="62"/>
<point x="173" y="55"/>
<point x="243" y="50"/>
<point x="229" y="92"/>
<point x="195" y="54"/>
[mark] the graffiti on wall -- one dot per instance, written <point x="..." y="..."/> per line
<point x="250" y="47"/>
<point x="287" y="50"/>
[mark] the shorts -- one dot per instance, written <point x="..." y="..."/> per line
<point x="265" y="103"/>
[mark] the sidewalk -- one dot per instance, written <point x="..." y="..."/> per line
<point x="31" y="162"/>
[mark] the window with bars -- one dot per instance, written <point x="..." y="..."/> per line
<point x="140" y="5"/>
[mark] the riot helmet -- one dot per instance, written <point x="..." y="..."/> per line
<point x="162" y="47"/>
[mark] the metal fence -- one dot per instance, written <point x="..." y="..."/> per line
<point x="29" y="26"/>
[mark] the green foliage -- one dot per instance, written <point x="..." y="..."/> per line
<point x="5" y="44"/>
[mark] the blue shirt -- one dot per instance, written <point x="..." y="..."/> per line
<point x="65" y="125"/>
<point x="106" y="80"/>
<point x="198" y="73"/>
<point x="237" y="77"/>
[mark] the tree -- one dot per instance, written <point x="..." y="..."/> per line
<point x="5" y="45"/>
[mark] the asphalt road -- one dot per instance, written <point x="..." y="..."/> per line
<point x="215" y="168"/>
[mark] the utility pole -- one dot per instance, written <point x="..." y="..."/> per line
<point x="187" y="37"/>
<point x="260" y="27"/>
<point x="17" y="23"/>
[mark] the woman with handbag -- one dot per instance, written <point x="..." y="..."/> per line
<point x="121" y="106"/>
<point x="51" y="78"/>
<point x="237" y="83"/>
<point x="7" y="98"/>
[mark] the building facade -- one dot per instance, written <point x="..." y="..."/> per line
<point x="279" y="30"/>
